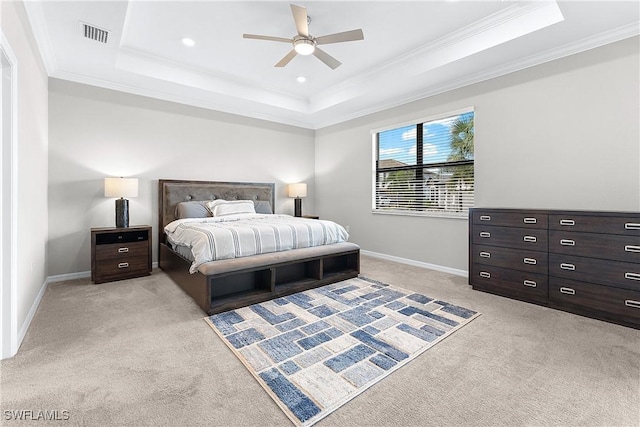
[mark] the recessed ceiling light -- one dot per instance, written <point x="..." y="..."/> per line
<point x="301" y="79"/>
<point x="188" y="42"/>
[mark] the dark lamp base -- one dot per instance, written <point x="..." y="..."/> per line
<point x="122" y="213"/>
<point x="297" y="207"/>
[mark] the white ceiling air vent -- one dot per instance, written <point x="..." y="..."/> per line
<point x="94" y="33"/>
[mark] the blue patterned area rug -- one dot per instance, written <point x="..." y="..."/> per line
<point x="315" y="350"/>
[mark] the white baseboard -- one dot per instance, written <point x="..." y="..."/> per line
<point x="463" y="273"/>
<point x="78" y="275"/>
<point x="22" y="332"/>
<point x="68" y="276"/>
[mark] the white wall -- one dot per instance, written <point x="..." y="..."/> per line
<point x="32" y="163"/>
<point x="563" y="135"/>
<point x="95" y="133"/>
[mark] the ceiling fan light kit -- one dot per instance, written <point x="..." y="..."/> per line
<point x="305" y="44"/>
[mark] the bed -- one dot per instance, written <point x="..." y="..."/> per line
<point x="227" y="284"/>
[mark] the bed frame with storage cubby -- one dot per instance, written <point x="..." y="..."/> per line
<point x="232" y="283"/>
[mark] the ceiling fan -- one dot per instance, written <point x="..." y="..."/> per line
<point x="306" y="44"/>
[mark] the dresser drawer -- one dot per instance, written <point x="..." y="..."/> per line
<point x="620" y="304"/>
<point x="512" y="237"/>
<point x="605" y="272"/>
<point x="116" y="268"/>
<point x="514" y="283"/>
<point x="517" y="259"/>
<point x="628" y="225"/>
<point x="609" y="246"/>
<point x="121" y="251"/>
<point x="510" y="219"/>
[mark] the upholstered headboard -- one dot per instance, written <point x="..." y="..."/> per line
<point x="172" y="192"/>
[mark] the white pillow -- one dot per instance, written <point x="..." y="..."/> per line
<point x="231" y="207"/>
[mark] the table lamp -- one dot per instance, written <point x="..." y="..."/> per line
<point x="298" y="190"/>
<point x="121" y="187"/>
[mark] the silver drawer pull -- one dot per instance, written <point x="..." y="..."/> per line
<point x="530" y="283"/>
<point x="123" y="250"/>
<point x="632" y="276"/>
<point x="530" y="239"/>
<point x="632" y="226"/>
<point x="566" y="266"/>
<point x="568" y="291"/>
<point x="631" y="248"/>
<point x="567" y="242"/>
<point x="485" y="254"/>
<point x="485" y="234"/>
<point x="485" y="217"/>
<point x="485" y="274"/>
<point x="631" y="303"/>
<point x="531" y="261"/>
<point x="567" y="222"/>
<point x="530" y="220"/>
<point x="123" y="265"/>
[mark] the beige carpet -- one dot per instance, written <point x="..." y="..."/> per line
<point x="136" y="352"/>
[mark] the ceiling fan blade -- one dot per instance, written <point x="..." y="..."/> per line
<point x="323" y="56"/>
<point x="273" y="39"/>
<point x="347" y="36"/>
<point x="300" y="18"/>
<point x="284" y="61"/>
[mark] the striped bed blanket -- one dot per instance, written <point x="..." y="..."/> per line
<point x="242" y="235"/>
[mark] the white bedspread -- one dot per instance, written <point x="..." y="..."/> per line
<point x="235" y="236"/>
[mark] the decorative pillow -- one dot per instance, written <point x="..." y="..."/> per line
<point x="193" y="209"/>
<point x="231" y="207"/>
<point x="263" y="206"/>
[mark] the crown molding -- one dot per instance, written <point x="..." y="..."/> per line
<point x="134" y="61"/>
<point x="35" y="15"/>
<point x="223" y="107"/>
<point x="498" y="28"/>
<point x="599" y="40"/>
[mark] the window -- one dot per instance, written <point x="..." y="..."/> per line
<point x="425" y="168"/>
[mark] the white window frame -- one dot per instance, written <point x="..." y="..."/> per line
<point x="374" y="171"/>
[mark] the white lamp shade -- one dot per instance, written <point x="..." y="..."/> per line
<point x="121" y="187"/>
<point x="298" y="190"/>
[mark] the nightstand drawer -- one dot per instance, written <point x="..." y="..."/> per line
<point x="116" y="268"/>
<point x="511" y="237"/>
<point x="600" y="271"/>
<point x="531" y="261"/>
<point x="609" y="246"/>
<point x="510" y="219"/>
<point x="121" y="251"/>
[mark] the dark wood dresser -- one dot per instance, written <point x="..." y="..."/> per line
<point x="120" y="253"/>
<point x="583" y="262"/>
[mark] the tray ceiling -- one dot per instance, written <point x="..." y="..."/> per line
<point x="410" y="50"/>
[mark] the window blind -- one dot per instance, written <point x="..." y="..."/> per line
<point x="426" y="167"/>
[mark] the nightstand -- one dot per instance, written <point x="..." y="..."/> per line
<point x="311" y="216"/>
<point x="120" y="253"/>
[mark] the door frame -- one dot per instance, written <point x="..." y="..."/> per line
<point x="8" y="201"/>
